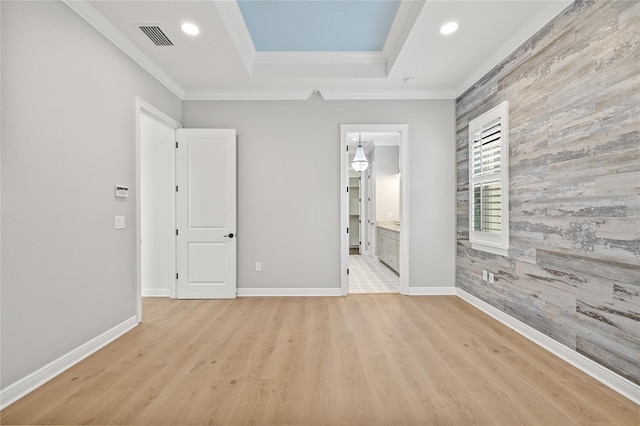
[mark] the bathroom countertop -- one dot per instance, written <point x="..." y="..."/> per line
<point x="391" y="226"/>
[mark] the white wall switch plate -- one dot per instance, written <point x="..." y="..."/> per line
<point x="258" y="267"/>
<point x="490" y="277"/>
<point x="485" y="276"/>
<point x="119" y="222"/>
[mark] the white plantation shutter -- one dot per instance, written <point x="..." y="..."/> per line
<point x="487" y="207"/>
<point x="488" y="181"/>
<point x="486" y="149"/>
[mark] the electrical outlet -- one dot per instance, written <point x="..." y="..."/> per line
<point x="485" y="277"/>
<point x="258" y="267"/>
<point x="490" y="277"/>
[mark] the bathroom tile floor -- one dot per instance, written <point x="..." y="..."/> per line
<point x="369" y="275"/>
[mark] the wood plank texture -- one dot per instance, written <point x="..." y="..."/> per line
<point x="356" y="360"/>
<point x="573" y="270"/>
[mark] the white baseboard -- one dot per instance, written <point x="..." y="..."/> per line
<point x="27" y="384"/>
<point x="602" y="374"/>
<point x="155" y="292"/>
<point x="432" y="291"/>
<point x="283" y="292"/>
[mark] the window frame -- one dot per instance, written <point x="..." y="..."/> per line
<point x="492" y="242"/>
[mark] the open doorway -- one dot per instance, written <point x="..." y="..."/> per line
<point x="374" y="206"/>
<point x="155" y="202"/>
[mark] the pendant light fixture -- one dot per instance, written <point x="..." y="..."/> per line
<point x="360" y="162"/>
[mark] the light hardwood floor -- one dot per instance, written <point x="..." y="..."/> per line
<point x="355" y="360"/>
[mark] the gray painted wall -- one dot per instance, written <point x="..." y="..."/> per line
<point x="68" y="136"/>
<point x="289" y="183"/>
<point x="573" y="270"/>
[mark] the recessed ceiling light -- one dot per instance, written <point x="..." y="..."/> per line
<point x="191" y="29"/>
<point x="449" y="28"/>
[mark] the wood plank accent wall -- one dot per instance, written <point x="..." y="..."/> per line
<point x="573" y="270"/>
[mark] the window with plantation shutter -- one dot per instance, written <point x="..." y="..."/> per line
<point x="488" y="181"/>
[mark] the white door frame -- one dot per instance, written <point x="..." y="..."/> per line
<point x="365" y="190"/>
<point x="371" y="211"/>
<point x="144" y="107"/>
<point x="362" y="196"/>
<point x="403" y="129"/>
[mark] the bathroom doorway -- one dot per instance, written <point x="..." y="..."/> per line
<point x="373" y="209"/>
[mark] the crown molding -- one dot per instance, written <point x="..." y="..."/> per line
<point x="405" y="19"/>
<point x="337" y="94"/>
<point x="247" y="95"/>
<point x="233" y="21"/>
<point x="304" y="94"/>
<point x="536" y="24"/>
<point x="100" y="23"/>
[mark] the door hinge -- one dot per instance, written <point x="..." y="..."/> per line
<point x="176" y="144"/>
<point x="176" y="276"/>
<point x="176" y="188"/>
<point x="176" y="232"/>
<point x="347" y="148"/>
<point x="347" y="229"/>
<point x="347" y="189"/>
<point x="347" y="271"/>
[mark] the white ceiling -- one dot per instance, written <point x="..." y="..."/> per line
<point x="221" y="62"/>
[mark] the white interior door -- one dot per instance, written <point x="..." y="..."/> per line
<point x="206" y="213"/>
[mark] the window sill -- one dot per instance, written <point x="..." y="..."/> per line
<point x="490" y="249"/>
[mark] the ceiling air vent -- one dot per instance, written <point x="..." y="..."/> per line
<point x="156" y="35"/>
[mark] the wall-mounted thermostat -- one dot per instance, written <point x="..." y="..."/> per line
<point x="121" y="191"/>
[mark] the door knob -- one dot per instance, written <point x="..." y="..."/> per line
<point x="229" y="236"/>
